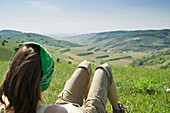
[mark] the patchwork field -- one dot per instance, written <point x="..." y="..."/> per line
<point x="77" y="54"/>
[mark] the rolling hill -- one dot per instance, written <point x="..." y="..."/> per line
<point x="140" y="40"/>
<point x="9" y="39"/>
<point x="5" y="32"/>
<point x="6" y="50"/>
<point x="161" y="60"/>
<point x="19" y="37"/>
<point x="74" y="53"/>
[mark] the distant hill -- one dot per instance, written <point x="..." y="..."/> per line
<point x="19" y="37"/>
<point x="5" y="32"/>
<point x="9" y="39"/>
<point x="161" y="60"/>
<point x="140" y="40"/>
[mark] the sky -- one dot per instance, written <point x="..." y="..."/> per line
<point x="83" y="16"/>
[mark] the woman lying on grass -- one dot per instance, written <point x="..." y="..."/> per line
<point x="29" y="76"/>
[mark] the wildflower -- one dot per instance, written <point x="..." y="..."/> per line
<point x="133" y="94"/>
<point x="167" y="90"/>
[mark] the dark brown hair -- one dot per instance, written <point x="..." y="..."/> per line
<point x="22" y="83"/>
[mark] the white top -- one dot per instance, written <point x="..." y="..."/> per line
<point x="71" y="108"/>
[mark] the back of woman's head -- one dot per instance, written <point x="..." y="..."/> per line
<point x="22" y="83"/>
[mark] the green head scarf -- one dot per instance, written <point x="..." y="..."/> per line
<point x="47" y="63"/>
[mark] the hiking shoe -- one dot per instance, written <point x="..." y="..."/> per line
<point x="121" y="108"/>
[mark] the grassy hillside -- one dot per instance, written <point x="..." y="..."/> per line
<point x="161" y="60"/>
<point x="142" y="90"/>
<point x="17" y="37"/>
<point x="6" y="50"/>
<point x="78" y="54"/>
<point x="140" y="40"/>
<point x="75" y="55"/>
<point x="67" y="52"/>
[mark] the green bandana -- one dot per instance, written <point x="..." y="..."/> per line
<point x="46" y="62"/>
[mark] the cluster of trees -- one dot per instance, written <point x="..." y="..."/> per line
<point x="148" y="61"/>
<point x="166" y="66"/>
<point x="71" y="57"/>
<point x="97" y="49"/>
<point x="151" y="60"/>
<point x="91" y="48"/>
<point x="3" y="42"/>
<point x="65" y="50"/>
<point x="103" y="56"/>
<point x="58" y="60"/>
<point x="119" y="58"/>
<point x="83" y="54"/>
<point x="155" y="61"/>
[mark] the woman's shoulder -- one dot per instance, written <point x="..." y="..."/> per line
<point x="1" y="110"/>
<point x="55" y="109"/>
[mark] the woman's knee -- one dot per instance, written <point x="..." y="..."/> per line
<point x="107" y="69"/>
<point x="87" y="65"/>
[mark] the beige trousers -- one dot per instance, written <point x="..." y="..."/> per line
<point x="74" y="90"/>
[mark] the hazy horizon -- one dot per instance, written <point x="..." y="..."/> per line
<point x="81" y="17"/>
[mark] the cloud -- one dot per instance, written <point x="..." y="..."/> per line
<point x="43" y="5"/>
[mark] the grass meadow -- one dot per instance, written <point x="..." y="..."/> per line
<point x="142" y="90"/>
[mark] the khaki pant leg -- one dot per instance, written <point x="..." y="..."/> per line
<point x="97" y="96"/>
<point x="74" y="90"/>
